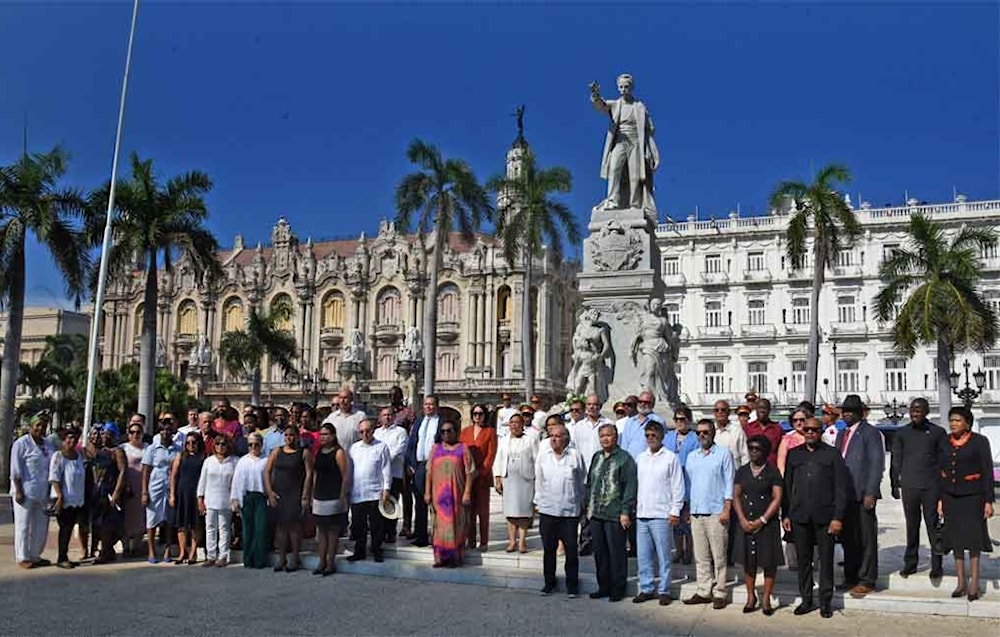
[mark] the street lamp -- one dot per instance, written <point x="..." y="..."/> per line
<point x="836" y="372"/>
<point x="893" y="412"/>
<point x="314" y="384"/>
<point x="967" y="394"/>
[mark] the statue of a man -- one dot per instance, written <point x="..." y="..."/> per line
<point x="355" y="352"/>
<point x="593" y="357"/>
<point x="654" y="355"/>
<point x="630" y="153"/>
<point x="161" y="352"/>
<point x="413" y="346"/>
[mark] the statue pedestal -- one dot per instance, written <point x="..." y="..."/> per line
<point x="621" y="272"/>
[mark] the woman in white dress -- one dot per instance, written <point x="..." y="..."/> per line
<point x="514" y="475"/>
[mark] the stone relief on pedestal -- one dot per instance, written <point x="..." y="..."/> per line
<point x="593" y="357"/>
<point x="654" y="353"/>
<point x="615" y="247"/>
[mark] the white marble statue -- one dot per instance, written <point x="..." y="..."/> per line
<point x="161" y="352"/>
<point x="413" y="346"/>
<point x="355" y="352"/>
<point x="630" y="154"/>
<point x="593" y="357"/>
<point x="654" y="353"/>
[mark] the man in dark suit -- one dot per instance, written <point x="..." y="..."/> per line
<point x="913" y="469"/>
<point x="423" y="435"/>
<point x="863" y="450"/>
<point x="814" y="499"/>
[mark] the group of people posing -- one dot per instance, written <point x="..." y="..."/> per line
<point x="715" y="491"/>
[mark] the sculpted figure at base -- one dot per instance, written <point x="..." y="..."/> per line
<point x="413" y="346"/>
<point x="630" y="153"/>
<point x="593" y="357"/>
<point x="355" y="352"/>
<point x="654" y="353"/>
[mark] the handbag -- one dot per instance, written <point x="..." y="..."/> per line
<point x="938" y="545"/>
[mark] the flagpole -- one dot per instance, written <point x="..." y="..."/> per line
<point x="98" y="312"/>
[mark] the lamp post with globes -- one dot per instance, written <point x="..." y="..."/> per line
<point x="313" y="384"/>
<point x="893" y="412"/>
<point x="968" y="394"/>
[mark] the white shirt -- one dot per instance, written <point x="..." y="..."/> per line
<point x="620" y="425"/>
<point x="559" y="480"/>
<point x="584" y="436"/>
<point x="346" y="426"/>
<point x="216" y="481"/>
<point x="394" y="437"/>
<point x="71" y="475"/>
<point x="372" y="471"/>
<point x="503" y="416"/>
<point x="661" y="484"/>
<point x="428" y="427"/>
<point x="29" y="462"/>
<point x="248" y="476"/>
<point x="733" y="438"/>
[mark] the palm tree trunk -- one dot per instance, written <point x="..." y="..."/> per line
<point x="527" y="340"/>
<point x="255" y="386"/>
<point x="430" y="314"/>
<point x="147" y="345"/>
<point x="812" y="350"/>
<point x="943" y="381"/>
<point x="11" y="361"/>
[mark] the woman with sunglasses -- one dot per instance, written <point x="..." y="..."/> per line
<point x="184" y="475"/>
<point x="215" y="484"/>
<point x="157" y="460"/>
<point x="481" y="441"/>
<point x="448" y="491"/>
<point x="288" y="484"/>
<point x="135" y="522"/>
<point x="247" y="497"/>
<point x="793" y="438"/>
<point x="756" y="499"/>
<point x="514" y="475"/>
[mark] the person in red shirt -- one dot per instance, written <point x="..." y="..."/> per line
<point x="766" y="427"/>
<point x="481" y="439"/>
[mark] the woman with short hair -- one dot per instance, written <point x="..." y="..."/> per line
<point x="248" y="498"/>
<point x="108" y="468"/>
<point x="67" y="474"/>
<point x="481" y="441"/>
<point x="288" y="484"/>
<point x="756" y="499"/>
<point x="514" y="476"/>
<point x="215" y="484"/>
<point x="331" y="480"/>
<point x="448" y="491"/>
<point x="966" y="497"/>
<point x="157" y="460"/>
<point x="184" y="475"/>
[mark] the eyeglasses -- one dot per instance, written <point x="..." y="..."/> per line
<point x="704" y="434"/>
<point x="477" y="413"/>
<point x="620" y="412"/>
<point x="575" y="410"/>
<point x="680" y="418"/>
<point x="721" y="410"/>
<point x="221" y="444"/>
<point x="743" y="413"/>
<point x="798" y="419"/>
<point x="135" y="432"/>
<point x="814" y="430"/>
<point x="652" y="435"/>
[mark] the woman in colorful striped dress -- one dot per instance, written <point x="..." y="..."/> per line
<point x="450" y="476"/>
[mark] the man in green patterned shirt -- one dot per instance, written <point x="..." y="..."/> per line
<point x="611" y="487"/>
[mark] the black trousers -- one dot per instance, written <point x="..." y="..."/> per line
<point x="420" y="507"/>
<point x="806" y="536"/>
<point x="860" y="538"/>
<point x="610" y="557"/>
<point x="365" y="517"/>
<point x="66" y="518"/>
<point x="553" y="529"/>
<point x="389" y="526"/>
<point x="585" y="537"/>
<point x="917" y="504"/>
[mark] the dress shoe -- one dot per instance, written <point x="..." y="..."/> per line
<point x="42" y="562"/>
<point x="208" y="563"/>
<point x="846" y="586"/>
<point x="355" y="557"/>
<point x="861" y="590"/>
<point x="804" y="608"/>
<point x="598" y="594"/>
<point x="665" y="599"/>
<point x="719" y="603"/>
<point x="420" y="543"/>
<point x="936" y="574"/>
<point x="767" y="610"/>
<point x="379" y="557"/>
<point x="697" y="599"/>
<point x="548" y="590"/>
<point x="26" y="564"/>
<point x="906" y="571"/>
<point x="749" y="608"/>
<point x="615" y="598"/>
<point x="974" y="596"/>
<point x="826" y="612"/>
<point x="65" y="564"/>
<point x="643" y="597"/>
<point x="318" y="570"/>
<point x="223" y="563"/>
<point x="958" y="592"/>
<point x="572" y="595"/>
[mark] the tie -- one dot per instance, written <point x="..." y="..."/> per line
<point x="847" y="440"/>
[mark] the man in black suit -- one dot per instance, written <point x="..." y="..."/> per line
<point x="863" y="450"/>
<point x="913" y="469"/>
<point x="814" y="499"/>
<point x="423" y="435"/>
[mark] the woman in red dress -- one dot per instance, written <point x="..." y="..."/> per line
<point x="481" y="440"/>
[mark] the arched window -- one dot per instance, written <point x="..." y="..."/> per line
<point x="447" y="364"/>
<point x="389" y="307"/>
<point x="449" y="304"/>
<point x="505" y="304"/>
<point x="137" y="321"/>
<point x="333" y="310"/>
<point x="232" y="315"/>
<point x="283" y="299"/>
<point x="386" y="368"/>
<point x="187" y="319"/>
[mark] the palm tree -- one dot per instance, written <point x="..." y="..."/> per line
<point x="834" y="228"/>
<point x="243" y="350"/>
<point x="32" y="202"/>
<point x="945" y="308"/>
<point x="529" y="218"/>
<point x="154" y="225"/>
<point x="443" y="193"/>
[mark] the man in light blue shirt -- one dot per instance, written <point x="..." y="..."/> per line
<point x="710" y="473"/>
<point x="633" y="436"/>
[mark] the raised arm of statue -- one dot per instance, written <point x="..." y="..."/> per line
<point x="596" y="100"/>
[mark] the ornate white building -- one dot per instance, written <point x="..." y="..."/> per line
<point x="376" y="286"/>
<point x="745" y="311"/>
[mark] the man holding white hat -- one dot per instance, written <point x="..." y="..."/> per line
<point x="395" y="438"/>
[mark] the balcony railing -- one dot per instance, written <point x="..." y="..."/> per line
<point x="714" y="278"/>
<point x="757" y="276"/>
<point x="848" y="271"/>
<point x="853" y="327"/>
<point x="674" y="280"/>
<point x="722" y="331"/>
<point x="448" y="330"/>
<point x="387" y="332"/>
<point x="331" y="335"/>
<point x="765" y="330"/>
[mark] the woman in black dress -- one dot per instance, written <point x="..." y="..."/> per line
<point x="331" y="486"/>
<point x="966" y="497"/>
<point x="288" y="485"/>
<point x="108" y="470"/>
<point x="757" y="498"/>
<point x="184" y="475"/>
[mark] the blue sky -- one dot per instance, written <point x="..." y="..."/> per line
<point x="305" y="109"/>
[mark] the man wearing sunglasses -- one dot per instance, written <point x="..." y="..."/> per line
<point x="682" y="441"/>
<point x="813" y="504"/>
